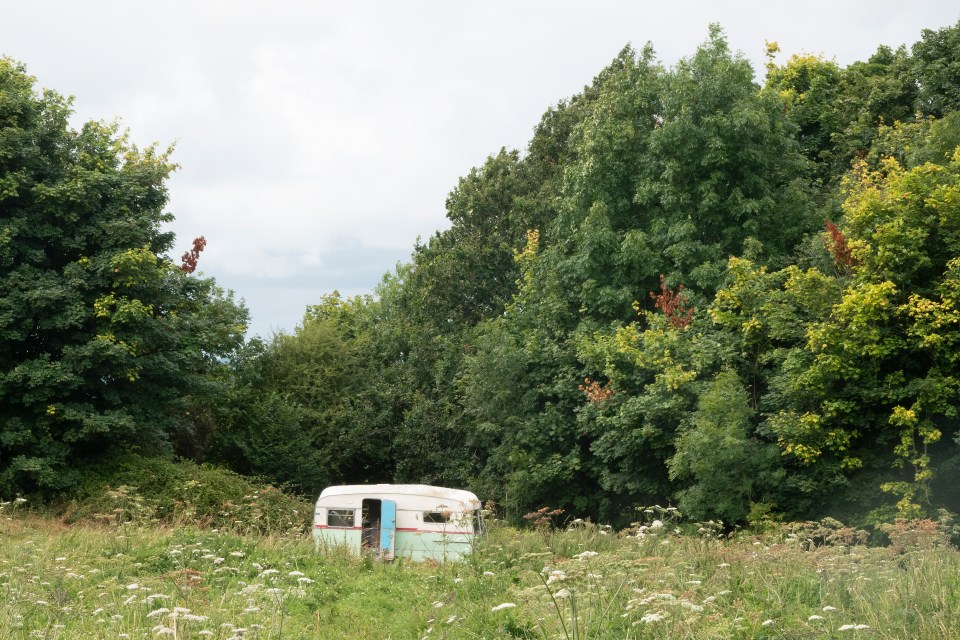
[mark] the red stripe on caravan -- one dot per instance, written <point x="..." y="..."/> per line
<point x="415" y="530"/>
<point x="323" y="526"/>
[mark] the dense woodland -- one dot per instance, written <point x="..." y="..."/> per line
<point x="690" y="288"/>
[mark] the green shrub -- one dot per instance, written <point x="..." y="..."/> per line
<point x="132" y="488"/>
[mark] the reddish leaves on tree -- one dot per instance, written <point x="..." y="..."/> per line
<point x="595" y="391"/>
<point x="191" y="257"/>
<point x="838" y="245"/>
<point x="672" y="303"/>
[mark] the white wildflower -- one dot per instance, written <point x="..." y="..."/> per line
<point x="489" y="573"/>
<point x="829" y="608"/>
<point x="438" y="604"/>
<point x="305" y="580"/>
<point x="652" y="617"/>
<point x="295" y="574"/>
<point x="158" y="612"/>
<point x="237" y="554"/>
<point x="505" y="605"/>
<point x="563" y="593"/>
<point x="766" y="623"/>
<point x="855" y="627"/>
<point x="451" y="619"/>
<point x="586" y="554"/>
<point x="556" y="576"/>
<point x="814" y="617"/>
<point x="131" y="587"/>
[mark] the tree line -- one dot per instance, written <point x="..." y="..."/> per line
<point x="743" y="299"/>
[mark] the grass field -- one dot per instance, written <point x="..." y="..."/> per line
<point x="146" y="580"/>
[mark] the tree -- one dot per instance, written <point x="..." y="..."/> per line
<point x="105" y="342"/>
<point x="857" y="363"/>
<point x="936" y="62"/>
<point x="727" y="469"/>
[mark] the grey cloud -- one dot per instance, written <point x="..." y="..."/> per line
<point x="318" y="140"/>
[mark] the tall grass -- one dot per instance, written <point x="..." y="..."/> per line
<point x="143" y="579"/>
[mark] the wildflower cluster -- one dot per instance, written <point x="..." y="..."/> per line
<point x="12" y="505"/>
<point x="825" y="532"/>
<point x="655" y="521"/>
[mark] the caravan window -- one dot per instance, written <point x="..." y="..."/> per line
<point x="436" y="517"/>
<point x="343" y="518"/>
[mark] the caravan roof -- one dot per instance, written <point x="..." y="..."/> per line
<point x="466" y="498"/>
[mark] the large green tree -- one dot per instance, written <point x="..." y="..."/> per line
<point x="317" y="406"/>
<point x="105" y="342"/>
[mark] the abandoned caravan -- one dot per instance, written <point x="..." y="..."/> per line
<point x="398" y="520"/>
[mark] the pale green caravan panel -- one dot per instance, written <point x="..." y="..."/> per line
<point x="431" y="545"/>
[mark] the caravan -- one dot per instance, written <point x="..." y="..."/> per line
<point x="414" y="521"/>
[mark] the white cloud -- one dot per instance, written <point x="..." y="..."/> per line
<point x="318" y="140"/>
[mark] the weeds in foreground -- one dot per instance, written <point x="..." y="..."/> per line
<point x="582" y="582"/>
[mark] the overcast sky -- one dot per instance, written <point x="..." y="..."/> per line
<point x="318" y="140"/>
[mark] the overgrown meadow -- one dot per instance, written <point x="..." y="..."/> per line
<point x="121" y="577"/>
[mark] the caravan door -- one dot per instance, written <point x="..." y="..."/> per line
<point x="388" y="529"/>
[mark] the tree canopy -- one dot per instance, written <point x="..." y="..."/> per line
<point x="105" y="342"/>
<point x="690" y="287"/>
